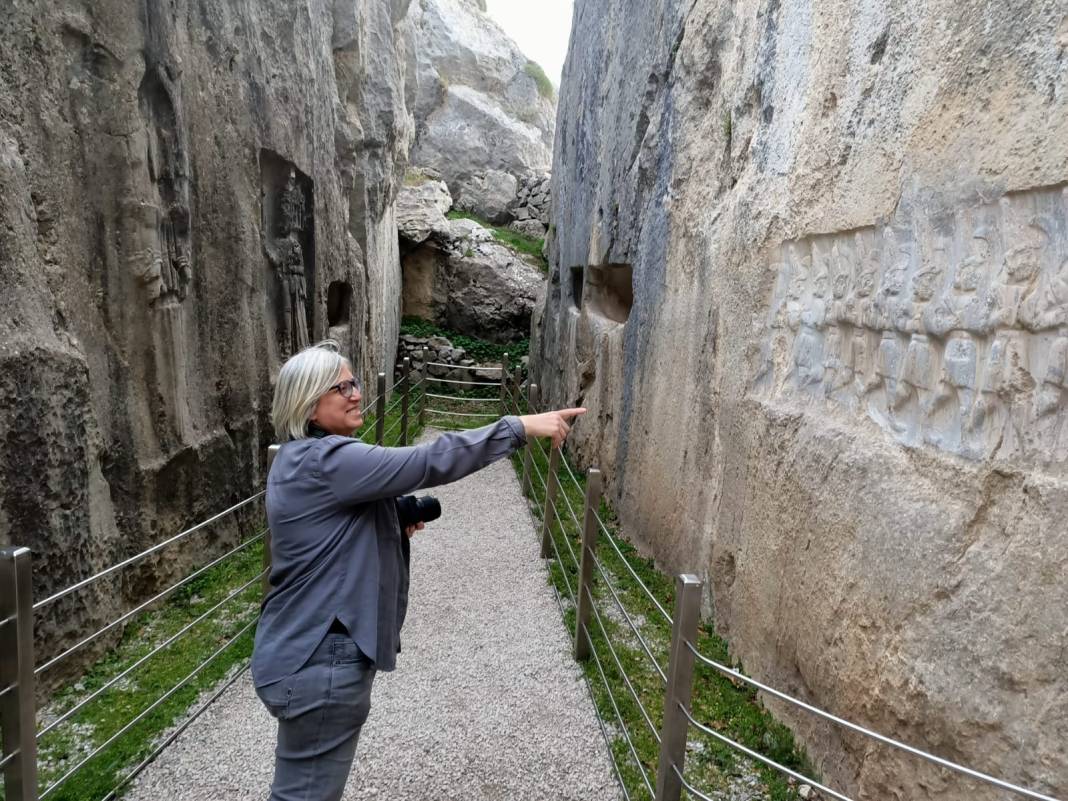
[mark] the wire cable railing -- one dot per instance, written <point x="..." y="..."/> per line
<point x="156" y="598"/>
<point x="622" y="723"/>
<point x="462" y="398"/>
<point x="589" y="687"/>
<point x="570" y="520"/>
<point x="177" y="732"/>
<point x="485" y="369"/>
<point x="166" y="643"/>
<point x="155" y="704"/>
<point x="619" y="664"/>
<point x="630" y="621"/>
<point x="771" y="763"/>
<point x="148" y="552"/>
<point x="612" y="541"/>
<point x="464" y="383"/>
<point x="461" y="414"/>
<point x="945" y="763"/>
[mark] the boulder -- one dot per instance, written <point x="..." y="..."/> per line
<point x="487" y="195"/>
<point x="491" y="292"/>
<point x="463" y="229"/>
<point x="478" y="104"/>
<point x="532" y="228"/>
<point x="421" y="210"/>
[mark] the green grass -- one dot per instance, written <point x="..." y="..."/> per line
<point x="480" y="350"/>
<point x="545" y="86"/>
<point x="520" y="243"/>
<point x="66" y="745"/>
<point x="732" y="710"/>
<point x="415" y="177"/>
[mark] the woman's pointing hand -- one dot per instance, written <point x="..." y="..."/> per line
<point x="550" y="424"/>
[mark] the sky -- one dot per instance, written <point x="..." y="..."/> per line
<point x="541" y="28"/>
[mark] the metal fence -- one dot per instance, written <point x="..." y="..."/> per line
<point x="669" y="780"/>
<point x="19" y="671"/>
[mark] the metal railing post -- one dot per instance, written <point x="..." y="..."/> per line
<point x="272" y="452"/>
<point x="679" y="688"/>
<point x="549" y="512"/>
<point x="528" y="450"/>
<point x="517" y="382"/>
<point x="18" y="707"/>
<point x="405" y="389"/>
<point x="426" y="374"/>
<point x="380" y="410"/>
<point x="504" y="383"/>
<point x="584" y="592"/>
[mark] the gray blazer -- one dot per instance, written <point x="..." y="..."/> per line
<point x="336" y="545"/>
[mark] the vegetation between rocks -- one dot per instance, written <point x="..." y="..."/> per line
<point x="545" y="86"/>
<point x="520" y="243"/>
<point x="480" y="350"/>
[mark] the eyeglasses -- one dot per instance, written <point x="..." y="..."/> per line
<point x="346" y="388"/>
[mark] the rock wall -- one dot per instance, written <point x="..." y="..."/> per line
<point x="482" y="121"/>
<point x="813" y="257"/>
<point x="456" y="273"/>
<point x="191" y="189"/>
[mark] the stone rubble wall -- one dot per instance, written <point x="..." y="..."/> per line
<point x="807" y="275"/>
<point x="446" y="360"/>
<point x="532" y="206"/>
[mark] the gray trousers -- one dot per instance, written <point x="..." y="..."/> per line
<point x="320" y="709"/>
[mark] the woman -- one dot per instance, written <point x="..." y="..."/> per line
<point x="339" y="579"/>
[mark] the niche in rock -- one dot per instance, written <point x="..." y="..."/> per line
<point x="577" y="279"/>
<point x="609" y="291"/>
<point x="288" y="203"/>
<point x="338" y="303"/>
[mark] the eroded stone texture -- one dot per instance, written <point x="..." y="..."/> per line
<point x="478" y="110"/>
<point x="461" y="278"/>
<point x="837" y="394"/>
<point x="191" y="190"/>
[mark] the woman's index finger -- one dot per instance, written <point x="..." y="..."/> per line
<point x="571" y="412"/>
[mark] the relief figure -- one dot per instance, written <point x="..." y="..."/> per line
<point x="919" y="371"/>
<point x="1006" y="383"/>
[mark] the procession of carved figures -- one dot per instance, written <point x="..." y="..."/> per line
<point x="950" y="332"/>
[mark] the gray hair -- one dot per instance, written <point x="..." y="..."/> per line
<point x="303" y="379"/>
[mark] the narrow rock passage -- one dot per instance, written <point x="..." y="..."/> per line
<point x="486" y="702"/>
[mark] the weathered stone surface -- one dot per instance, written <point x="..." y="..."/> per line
<point x="464" y="280"/>
<point x="421" y="210"/>
<point x="531" y="228"/>
<point x="156" y="262"/>
<point x="477" y="107"/>
<point x="879" y="537"/>
<point x="487" y="194"/>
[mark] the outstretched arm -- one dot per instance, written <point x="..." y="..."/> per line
<point x="357" y="472"/>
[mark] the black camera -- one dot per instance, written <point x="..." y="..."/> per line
<point x="412" y="510"/>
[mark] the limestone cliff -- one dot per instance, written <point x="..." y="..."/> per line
<point x="484" y="113"/>
<point x="189" y="190"/>
<point x="813" y="257"/>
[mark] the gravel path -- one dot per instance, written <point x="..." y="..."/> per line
<point x="486" y="702"/>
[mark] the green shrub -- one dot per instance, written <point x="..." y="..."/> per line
<point x="545" y="86"/>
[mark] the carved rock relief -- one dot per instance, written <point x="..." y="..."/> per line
<point x="156" y="216"/>
<point x="950" y="332"/>
<point x="289" y="241"/>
